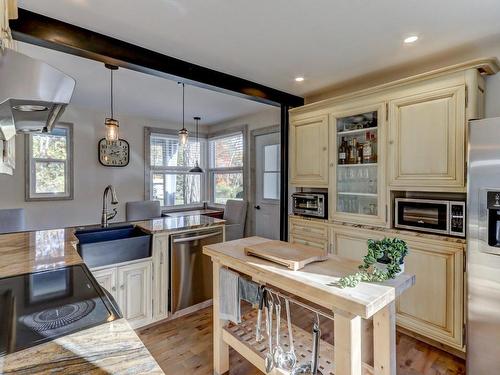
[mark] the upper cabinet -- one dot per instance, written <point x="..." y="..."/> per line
<point x="427" y="140"/>
<point x="357" y="159"/>
<point x="309" y="151"/>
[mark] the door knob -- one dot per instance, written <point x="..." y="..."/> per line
<point x="257" y="207"/>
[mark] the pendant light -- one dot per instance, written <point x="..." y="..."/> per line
<point x="111" y="124"/>
<point x="196" y="168"/>
<point x="183" y="133"/>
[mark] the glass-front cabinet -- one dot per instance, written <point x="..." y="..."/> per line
<point x="357" y="162"/>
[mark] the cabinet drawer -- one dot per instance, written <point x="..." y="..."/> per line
<point x="310" y="241"/>
<point x="309" y="229"/>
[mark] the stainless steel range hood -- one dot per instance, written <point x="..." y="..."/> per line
<point x="33" y="94"/>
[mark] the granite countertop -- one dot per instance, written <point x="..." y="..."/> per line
<point x="206" y="211"/>
<point x="110" y="348"/>
<point x="36" y="251"/>
<point x="174" y="224"/>
<point x="404" y="232"/>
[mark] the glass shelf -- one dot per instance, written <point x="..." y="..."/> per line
<point x="357" y="186"/>
<point x="356" y="131"/>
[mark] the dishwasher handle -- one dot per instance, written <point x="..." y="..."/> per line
<point x="189" y="239"/>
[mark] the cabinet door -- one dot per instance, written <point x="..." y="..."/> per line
<point x="309" y="152"/>
<point x="107" y="279"/>
<point x="358" y="153"/>
<point x="160" y="295"/>
<point x="427" y="140"/>
<point x="309" y="241"/>
<point x="134" y="293"/>
<point x="351" y="243"/>
<point x="433" y="307"/>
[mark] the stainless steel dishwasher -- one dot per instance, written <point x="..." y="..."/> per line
<point x="190" y="270"/>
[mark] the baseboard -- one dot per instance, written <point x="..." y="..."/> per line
<point x="436" y="344"/>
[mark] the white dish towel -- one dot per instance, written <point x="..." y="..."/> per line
<point x="229" y="300"/>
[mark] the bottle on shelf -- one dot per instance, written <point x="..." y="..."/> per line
<point x="374" y="147"/>
<point x="367" y="149"/>
<point x="353" y="151"/>
<point x="343" y="151"/>
<point x="359" y="153"/>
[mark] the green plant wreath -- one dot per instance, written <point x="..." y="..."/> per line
<point x="391" y="250"/>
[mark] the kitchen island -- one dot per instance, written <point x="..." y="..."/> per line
<point x="316" y="283"/>
<point x="112" y="347"/>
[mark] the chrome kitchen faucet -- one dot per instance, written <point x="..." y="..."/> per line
<point x="106" y="216"/>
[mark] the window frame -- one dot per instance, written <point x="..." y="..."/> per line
<point x="30" y="194"/>
<point x="225" y="133"/>
<point x="149" y="170"/>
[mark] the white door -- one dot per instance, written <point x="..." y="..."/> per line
<point x="267" y="185"/>
<point x="107" y="279"/>
<point x="134" y="294"/>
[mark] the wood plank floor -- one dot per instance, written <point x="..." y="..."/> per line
<point x="184" y="346"/>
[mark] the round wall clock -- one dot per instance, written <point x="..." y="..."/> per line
<point x="114" y="154"/>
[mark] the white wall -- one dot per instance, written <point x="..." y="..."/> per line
<point x="90" y="177"/>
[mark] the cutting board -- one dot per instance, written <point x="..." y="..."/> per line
<point x="294" y="256"/>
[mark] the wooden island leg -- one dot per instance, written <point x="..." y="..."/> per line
<point x="384" y="340"/>
<point x="347" y="344"/>
<point x="221" y="349"/>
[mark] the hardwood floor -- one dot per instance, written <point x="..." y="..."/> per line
<point x="184" y="346"/>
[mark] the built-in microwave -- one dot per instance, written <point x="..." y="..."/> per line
<point x="429" y="215"/>
<point x="310" y="204"/>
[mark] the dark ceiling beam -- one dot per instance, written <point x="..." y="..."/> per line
<point x="48" y="32"/>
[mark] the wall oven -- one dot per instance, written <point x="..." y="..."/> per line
<point x="310" y="204"/>
<point x="428" y="215"/>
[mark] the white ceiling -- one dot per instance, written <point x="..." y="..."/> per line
<point x="142" y="95"/>
<point x="271" y="42"/>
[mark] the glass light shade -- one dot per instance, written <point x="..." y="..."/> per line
<point x="111" y="129"/>
<point x="183" y="136"/>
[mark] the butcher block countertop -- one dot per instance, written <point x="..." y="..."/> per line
<point x="316" y="282"/>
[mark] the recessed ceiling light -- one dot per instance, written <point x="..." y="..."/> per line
<point x="299" y="79"/>
<point x="411" y="39"/>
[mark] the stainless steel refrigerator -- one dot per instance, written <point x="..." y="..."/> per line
<point x="483" y="249"/>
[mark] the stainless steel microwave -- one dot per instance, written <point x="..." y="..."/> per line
<point x="428" y="215"/>
<point x="310" y="204"/>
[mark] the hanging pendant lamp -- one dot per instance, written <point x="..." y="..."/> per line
<point x="111" y="123"/>
<point x="183" y="133"/>
<point x="196" y="168"/>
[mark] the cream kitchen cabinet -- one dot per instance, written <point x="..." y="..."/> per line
<point x="427" y="140"/>
<point x="309" y="232"/>
<point x="107" y="279"/>
<point x="309" y="151"/>
<point x="134" y="293"/>
<point x="357" y="189"/>
<point x="351" y="242"/>
<point x="160" y="276"/>
<point x="131" y="286"/>
<point x="434" y="308"/>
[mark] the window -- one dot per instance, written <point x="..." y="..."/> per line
<point x="170" y="181"/>
<point x="271" y="180"/>
<point x="50" y="168"/>
<point x="226" y="168"/>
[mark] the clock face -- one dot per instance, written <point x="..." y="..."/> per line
<point x="114" y="154"/>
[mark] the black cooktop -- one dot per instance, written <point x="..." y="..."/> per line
<point x="41" y="306"/>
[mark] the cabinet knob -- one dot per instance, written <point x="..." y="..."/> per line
<point x="331" y="165"/>
<point x="391" y="142"/>
<point x="122" y="286"/>
<point x="113" y="288"/>
<point x="324" y="148"/>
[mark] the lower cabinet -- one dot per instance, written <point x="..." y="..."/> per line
<point x="160" y="276"/>
<point x="131" y="287"/>
<point x="434" y="306"/>
<point x="309" y="232"/>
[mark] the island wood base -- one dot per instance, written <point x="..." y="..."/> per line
<point x="346" y="354"/>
